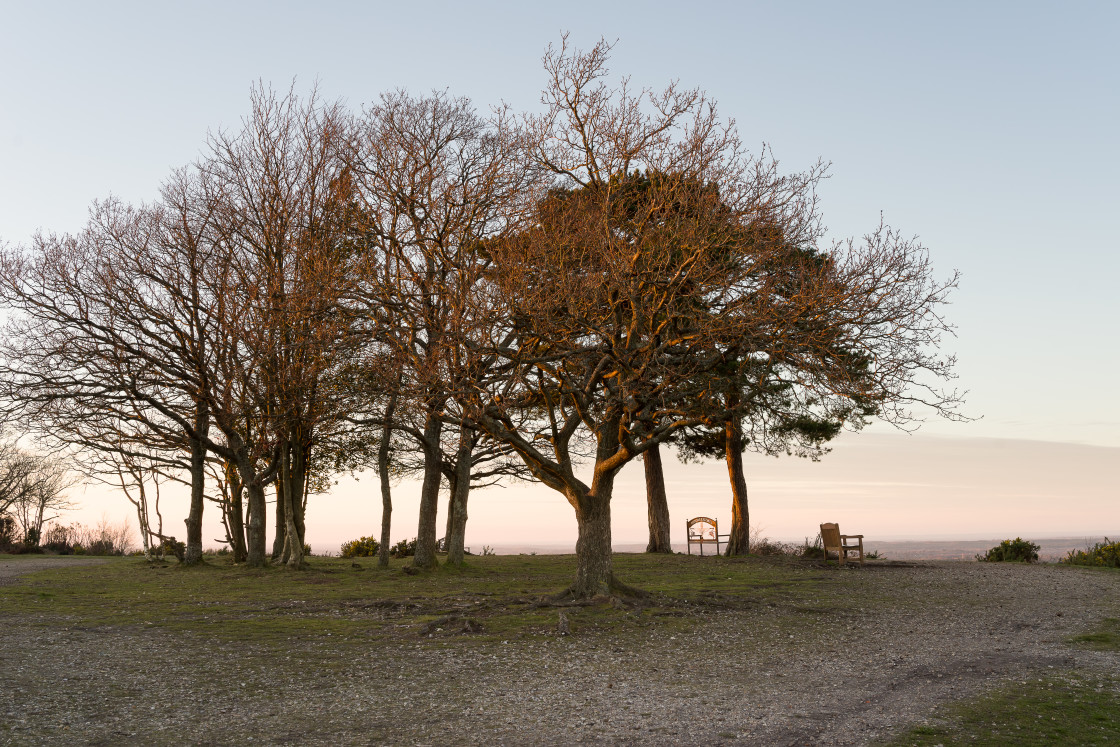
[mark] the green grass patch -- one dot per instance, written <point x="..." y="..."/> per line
<point x="491" y="597"/>
<point x="1071" y="710"/>
<point x="1105" y="638"/>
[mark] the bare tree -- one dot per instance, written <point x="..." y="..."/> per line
<point x="436" y="181"/>
<point x="41" y="497"/>
<point x="279" y="195"/>
<point x="102" y="354"/>
<point x="219" y="305"/>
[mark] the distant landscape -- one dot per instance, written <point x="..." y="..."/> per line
<point x="1050" y="548"/>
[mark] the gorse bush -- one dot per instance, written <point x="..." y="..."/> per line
<point x="404" y="549"/>
<point x="364" y="547"/>
<point x="368" y="547"/>
<point x="1106" y="554"/>
<point x="1017" y="550"/>
<point x="171" y="546"/>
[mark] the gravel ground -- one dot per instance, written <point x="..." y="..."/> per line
<point x="906" y="638"/>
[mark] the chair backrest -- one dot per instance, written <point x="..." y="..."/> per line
<point x="830" y="535"/>
<point x="703" y="527"/>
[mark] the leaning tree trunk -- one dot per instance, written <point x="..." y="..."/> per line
<point x="460" y="491"/>
<point x="738" y="543"/>
<point x="386" y="488"/>
<point x="429" y="496"/>
<point x="658" y="502"/>
<point x="193" y="553"/>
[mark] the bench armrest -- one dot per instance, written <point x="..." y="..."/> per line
<point x="851" y="536"/>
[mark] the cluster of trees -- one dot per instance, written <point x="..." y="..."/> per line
<point x="417" y="287"/>
<point x="32" y="493"/>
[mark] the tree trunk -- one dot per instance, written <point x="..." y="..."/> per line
<point x="281" y="520"/>
<point x="460" y="491"/>
<point x="658" y="502"/>
<point x="198" y="485"/>
<point x="299" y="498"/>
<point x="594" y="573"/>
<point x="429" y="496"/>
<point x="255" y="556"/>
<point x="386" y="488"/>
<point x="289" y="490"/>
<point x="738" y="543"/>
<point x="452" y="485"/>
<point x="235" y="514"/>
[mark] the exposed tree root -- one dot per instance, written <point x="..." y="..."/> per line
<point x="615" y="593"/>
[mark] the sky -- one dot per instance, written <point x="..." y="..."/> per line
<point x="987" y="130"/>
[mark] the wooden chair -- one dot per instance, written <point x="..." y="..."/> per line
<point x="704" y="531"/>
<point x="835" y="542"/>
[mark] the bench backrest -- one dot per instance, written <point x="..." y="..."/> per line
<point x="830" y="535"/>
<point x="703" y="529"/>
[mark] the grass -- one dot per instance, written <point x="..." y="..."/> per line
<point x="1105" y="638"/>
<point x="350" y="600"/>
<point x="1069" y="710"/>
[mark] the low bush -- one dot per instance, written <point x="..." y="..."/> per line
<point x="403" y="549"/>
<point x="61" y="539"/>
<point x="364" y="547"/>
<point x="108" y="539"/>
<point x="1017" y="550"/>
<point x="1106" y="554"/>
<point x="765" y="546"/>
<point x="810" y="550"/>
<point x="171" y="546"/>
<point x="25" y="548"/>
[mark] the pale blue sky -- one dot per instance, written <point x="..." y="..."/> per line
<point x="987" y="129"/>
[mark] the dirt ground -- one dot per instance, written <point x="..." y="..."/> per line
<point x="906" y="639"/>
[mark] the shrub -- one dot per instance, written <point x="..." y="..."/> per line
<point x="105" y="538"/>
<point x="811" y="550"/>
<point x="101" y="547"/>
<point x="765" y="546"/>
<point x="1105" y="554"/>
<point x="365" y="547"/>
<point x="61" y="539"/>
<point x="1017" y="550"/>
<point x="404" y="549"/>
<point x="7" y="532"/>
<point x="172" y="546"/>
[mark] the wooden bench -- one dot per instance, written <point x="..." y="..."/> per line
<point x="704" y="531"/>
<point x="835" y="542"/>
